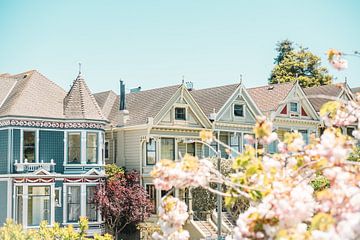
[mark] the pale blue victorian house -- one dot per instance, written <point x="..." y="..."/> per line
<point x="51" y="151"/>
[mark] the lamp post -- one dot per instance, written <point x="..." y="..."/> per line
<point x="219" y="198"/>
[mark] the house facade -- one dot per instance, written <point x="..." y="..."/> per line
<point x="51" y="151"/>
<point x="151" y="125"/>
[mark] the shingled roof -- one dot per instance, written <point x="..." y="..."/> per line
<point x="141" y="105"/>
<point x="213" y="99"/>
<point x="332" y="90"/>
<point x="268" y="97"/>
<point x="79" y="103"/>
<point x="31" y="94"/>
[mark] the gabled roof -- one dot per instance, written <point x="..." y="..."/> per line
<point x="79" y="103"/>
<point x="268" y="97"/>
<point x="141" y="105"/>
<point x="213" y="99"/>
<point x="331" y="90"/>
<point x="31" y="94"/>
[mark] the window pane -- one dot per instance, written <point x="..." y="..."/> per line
<point x="19" y="205"/>
<point x="91" y="148"/>
<point x="239" y="110"/>
<point x="151" y="152"/>
<point x="91" y="212"/>
<point x="168" y="148"/>
<point x="191" y="149"/>
<point x="74" y="143"/>
<point x="29" y="146"/>
<point x="349" y="131"/>
<point x="304" y="134"/>
<point x="38" y="205"/>
<point x="106" y="150"/>
<point x="293" y="107"/>
<point x="180" y="114"/>
<point x="73" y="204"/>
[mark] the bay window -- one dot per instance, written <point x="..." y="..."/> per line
<point x="91" y="148"/>
<point x="19" y="204"/>
<point x="73" y="203"/>
<point x="29" y="146"/>
<point x="74" y="148"/>
<point x="91" y="211"/>
<point x="33" y="205"/>
<point x="38" y="205"/>
<point x="168" y="148"/>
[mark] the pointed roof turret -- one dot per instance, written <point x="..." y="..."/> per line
<point x="79" y="103"/>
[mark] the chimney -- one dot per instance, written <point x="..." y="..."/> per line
<point x="122" y="96"/>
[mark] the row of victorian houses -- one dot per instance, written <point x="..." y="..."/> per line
<point x="54" y="144"/>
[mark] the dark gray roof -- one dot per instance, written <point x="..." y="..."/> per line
<point x="212" y="99"/>
<point x="331" y="90"/>
<point x="141" y="105"/>
<point x="268" y="97"/>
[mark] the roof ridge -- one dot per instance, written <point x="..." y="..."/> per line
<point x="284" y="83"/>
<point x="201" y="89"/>
<point x="27" y="78"/>
<point x="152" y="89"/>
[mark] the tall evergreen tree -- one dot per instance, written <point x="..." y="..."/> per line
<point x="298" y="64"/>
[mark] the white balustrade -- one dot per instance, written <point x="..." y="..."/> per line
<point x="31" y="167"/>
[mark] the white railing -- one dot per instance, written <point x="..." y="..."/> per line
<point x="31" y="167"/>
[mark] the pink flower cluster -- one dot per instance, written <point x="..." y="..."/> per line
<point x="342" y="201"/>
<point x="190" y="171"/>
<point x="172" y="216"/>
<point x="285" y="207"/>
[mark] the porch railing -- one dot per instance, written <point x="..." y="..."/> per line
<point x="32" y="167"/>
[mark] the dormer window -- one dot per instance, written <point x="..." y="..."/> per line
<point x="294" y="107"/>
<point x="238" y="110"/>
<point x="180" y="113"/>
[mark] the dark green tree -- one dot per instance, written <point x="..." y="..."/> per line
<point x="298" y="64"/>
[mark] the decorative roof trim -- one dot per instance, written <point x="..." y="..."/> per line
<point x="51" y="124"/>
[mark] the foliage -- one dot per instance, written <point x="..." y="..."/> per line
<point x="283" y="48"/>
<point x="13" y="231"/>
<point x="123" y="201"/>
<point x="298" y="64"/>
<point x="112" y="170"/>
<point x="355" y="155"/>
<point x="319" y="183"/>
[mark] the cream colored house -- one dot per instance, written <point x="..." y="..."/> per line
<point x="154" y="124"/>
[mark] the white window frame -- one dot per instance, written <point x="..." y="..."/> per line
<point x="59" y="190"/>
<point x="37" y="140"/>
<point x="83" y="147"/>
<point x="178" y="121"/>
<point x="233" y="110"/>
<point x="298" y="107"/>
<point x="83" y="202"/>
<point x="26" y="199"/>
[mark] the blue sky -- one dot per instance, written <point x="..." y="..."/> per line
<point x="155" y="43"/>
